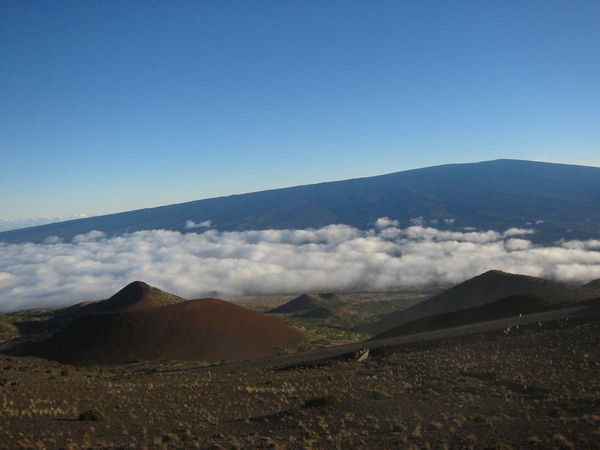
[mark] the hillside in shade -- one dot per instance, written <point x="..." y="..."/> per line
<point x="208" y="330"/>
<point x="483" y="289"/>
<point x="487" y="195"/>
<point x="313" y="306"/>
<point x="7" y="329"/>
<point x="594" y="284"/>
<point x="509" y="307"/>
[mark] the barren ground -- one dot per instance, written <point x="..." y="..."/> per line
<point x="538" y="388"/>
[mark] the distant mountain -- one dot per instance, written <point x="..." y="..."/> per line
<point x="313" y="306"/>
<point x="485" y="288"/>
<point x="511" y="306"/>
<point x="558" y="200"/>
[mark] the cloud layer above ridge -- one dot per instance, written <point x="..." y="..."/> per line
<point x="336" y="257"/>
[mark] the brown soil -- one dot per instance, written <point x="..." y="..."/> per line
<point x="206" y="330"/>
<point x="538" y="388"/>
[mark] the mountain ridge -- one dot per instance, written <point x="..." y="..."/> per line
<point x="485" y="288"/>
<point x="508" y="307"/>
<point x="497" y="194"/>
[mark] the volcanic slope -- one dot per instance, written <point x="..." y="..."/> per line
<point x="208" y="330"/>
<point x="512" y="306"/>
<point x="135" y="296"/>
<point x="7" y="329"/>
<point x="314" y="306"/>
<point x="594" y="284"/>
<point x="482" y="289"/>
<point x="488" y="195"/>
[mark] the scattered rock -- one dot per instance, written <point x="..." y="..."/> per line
<point x="361" y="355"/>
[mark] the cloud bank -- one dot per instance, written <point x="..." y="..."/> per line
<point x="336" y="257"/>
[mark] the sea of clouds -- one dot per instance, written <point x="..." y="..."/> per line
<point x="335" y="257"/>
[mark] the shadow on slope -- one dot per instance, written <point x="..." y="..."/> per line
<point x="480" y="290"/>
<point x="511" y="306"/>
<point x="594" y="284"/>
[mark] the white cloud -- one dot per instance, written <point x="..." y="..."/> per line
<point x="190" y="224"/>
<point x="589" y="245"/>
<point x="91" y="236"/>
<point x="417" y="221"/>
<point x="517" y="232"/>
<point x="336" y="257"/>
<point x="385" y="222"/>
<point x="518" y="244"/>
<point x="52" y="240"/>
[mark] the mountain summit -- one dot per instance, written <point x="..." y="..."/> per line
<point x="138" y="295"/>
<point x="495" y="195"/>
<point x="135" y="296"/>
<point x="313" y="305"/>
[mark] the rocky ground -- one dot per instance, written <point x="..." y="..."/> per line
<point x="533" y="388"/>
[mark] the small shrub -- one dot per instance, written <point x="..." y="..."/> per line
<point x="381" y="394"/>
<point x="502" y="446"/>
<point x="562" y="441"/>
<point x="436" y="425"/>
<point x="557" y="412"/>
<point x="317" y="402"/>
<point x="94" y="415"/>
<point x="170" y="438"/>
<point x="399" y="428"/>
<point x="471" y="439"/>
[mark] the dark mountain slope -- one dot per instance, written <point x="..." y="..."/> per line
<point x="7" y="329"/>
<point x="495" y="194"/>
<point x="506" y="307"/>
<point x="594" y="284"/>
<point x="313" y="305"/>
<point x="204" y="330"/>
<point x="485" y="288"/>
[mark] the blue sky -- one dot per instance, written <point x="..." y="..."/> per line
<point x="109" y="106"/>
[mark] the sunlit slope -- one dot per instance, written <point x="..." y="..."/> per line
<point x="203" y="330"/>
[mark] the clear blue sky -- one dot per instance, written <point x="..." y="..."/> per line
<point x="108" y="106"/>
